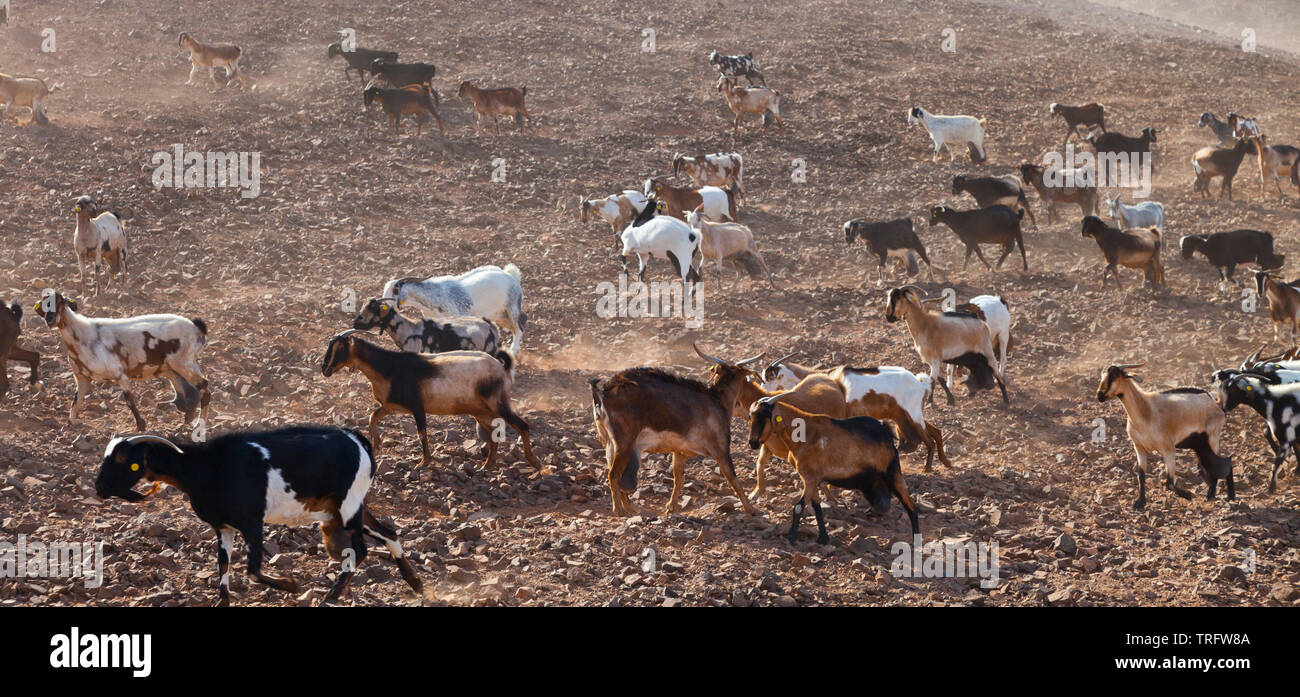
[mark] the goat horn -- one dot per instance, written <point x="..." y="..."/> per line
<point x="780" y="360"/>
<point x="751" y="360"/>
<point x="147" y="438"/>
<point x="1129" y="366"/>
<point x="1254" y="356"/>
<point x="707" y="357"/>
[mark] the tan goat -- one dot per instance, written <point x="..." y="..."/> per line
<point x="26" y="91"/>
<point x="502" y="101"/>
<point x="212" y="56"/>
<point x="719" y="241"/>
<point x="750" y="100"/>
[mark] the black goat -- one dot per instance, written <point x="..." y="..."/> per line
<point x="360" y="59"/>
<point x="991" y="191"/>
<point x="894" y="238"/>
<point x="403" y="74"/>
<point x="1226" y="250"/>
<point x="993" y="225"/>
<point x="242" y="481"/>
<point x="1118" y="143"/>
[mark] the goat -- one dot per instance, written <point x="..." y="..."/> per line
<point x="1242" y="126"/>
<point x="403" y="74"/>
<point x="11" y="326"/>
<point x="730" y="241"/>
<point x="1118" y="143"/>
<point x="133" y="348"/>
<point x="1076" y="189"/>
<point x="858" y="453"/>
<point x="883" y="392"/>
<point x="30" y="92"/>
<point x="958" y="338"/>
<point x="212" y="56"/>
<point x="1143" y="214"/>
<point x="647" y="410"/>
<point x="781" y="375"/>
<point x="995" y="312"/>
<point x="721" y="169"/>
<point x="1283" y="300"/>
<point x="1135" y="249"/>
<point x="750" y="100"/>
<point x="412" y="100"/>
<point x="616" y="209"/>
<point x="1163" y="422"/>
<point x="1225" y="250"/>
<point x="470" y="383"/>
<point x="735" y="66"/>
<point x="429" y="335"/>
<point x="503" y="101"/>
<point x="361" y="60"/>
<point x="1279" y="405"/>
<point x="1221" y="129"/>
<point x="946" y="131"/>
<point x="242" y="481"/>
<point x="993" y="225"/>
<point x="894" y="238"/>
<point x="1086" y="115"/>
<point x="651" y="234"/>
<point x="991" y="191"/>
<point x="98" y="238"/>
<point x="1210" y="162"/>
<point x="491" y="292"/>
<point x="1277" y="160"/>
<point x="714" y="202"/>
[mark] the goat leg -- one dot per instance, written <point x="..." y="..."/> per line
<point x="822" y="537"/>
<point x="795" y="515"/>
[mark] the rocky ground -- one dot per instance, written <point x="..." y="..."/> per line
<point x="345" y="204"/>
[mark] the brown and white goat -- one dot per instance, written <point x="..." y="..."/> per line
<point x="1210" y="162"/>
<point x="502" y="101"/>
<point x="714" y="202"/>
<point x="958" y="338"/>
<point x="750" y="100"/>
<point x="470" y="383"/>
<point x="647" y="410"/>
<point x="212" y="56"/>
<point x="411" y="100"/>
<point x="721" y="169"/>
<point x="1283" y="300"/>
<point x="99" y="239"/>
<point x="857" y="453"/>
<point x="1274" y="160"/>
<point x="1164" y="422"/>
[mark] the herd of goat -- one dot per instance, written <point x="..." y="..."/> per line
<point x="843" y="426"/>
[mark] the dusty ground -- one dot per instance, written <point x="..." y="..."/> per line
<point x="345" y="204"/>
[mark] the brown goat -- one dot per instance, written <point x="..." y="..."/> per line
<point x="10" y="328"/>
<point x="1087" y="115"/>
<point x="648" y="410"/>
<point x="857" y="453"/>
<point x="1283" y="301"/>
<point x="412" y="100"/>
<point x="212" y="56"/>
<point x="471" y="383"/>
<point x="750" y="100"/>
<point x="502" y="101"/>
<point x="1085" y="196"/>
<point x="1210" y="162"/>
<point x="679" y="200"/>
<point x="1138" y="248"/>
<point x="1275" y="160"/>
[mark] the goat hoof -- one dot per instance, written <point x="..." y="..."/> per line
<point x="791" y="538"/>
<point x="224" y="602"/>
<point x="1139" y="504"/>
<point x="823" y="539"/>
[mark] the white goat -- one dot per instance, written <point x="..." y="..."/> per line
<point x="947" y="131"/>
<point x="721" y="240"/>
<point x="99" y="237"/>
<point x="1146" y="214"/>
<point x="663" y="235"/>
<point x="132" y="348"/>
<point x="490" y="292"/>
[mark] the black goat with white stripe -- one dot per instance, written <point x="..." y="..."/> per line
<point x="1280" y="407"/>
<point x="735" y="66"/>
<point x="242" y="481"/>
<point x="429" y="335"/>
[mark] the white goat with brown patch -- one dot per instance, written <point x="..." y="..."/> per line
<point x="212" y="56"/>
<point x="616" y="209"/>
<point x="98" y="239"/>
<point x="721" y="169"/>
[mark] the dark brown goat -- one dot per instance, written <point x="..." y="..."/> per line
<point x="1084" y="195"/>
<point x="1138" y="248"/>
<point x="10" y="327"/>
<point x="647" y="410"/>
<point x="992" y="225"/>
<point x="412" y="100"/>
<point x="1086" y="115"/>
<point x="990" y="191"/>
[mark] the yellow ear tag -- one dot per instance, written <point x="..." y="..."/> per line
<point x="1249" y="388"/>
<point x="135" y="467"/>
<point x="383" y="308"/>
<point x="778" y="419"/>
<point x="37" y="306"/>
<point x="78" y="209"/>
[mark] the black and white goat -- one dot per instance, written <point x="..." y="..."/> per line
<point x="1280" y="407"/>
<point x="242" y="481"/>
<point x="429" y="335"/>
<point x="491" y="292"/>
<point x="735" y="66"/>
<point x="896" y="238"/>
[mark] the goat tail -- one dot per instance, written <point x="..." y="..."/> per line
<point x="507" y="360"/>
<point x="16" y="309"/>
<point x="203" y="329"/>
<point x="596" y="402"/>
<point x="512" y="270"/>
<point x="1295" y="173"/>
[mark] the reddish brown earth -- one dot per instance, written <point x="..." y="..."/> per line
<point x="345" y="204"/>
